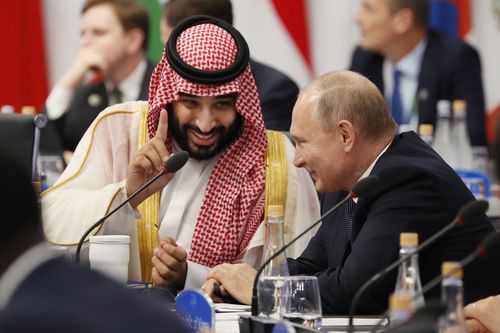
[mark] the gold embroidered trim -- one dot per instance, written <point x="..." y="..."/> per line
<point x="147" y="230"/>
<point x="276" y="171"/>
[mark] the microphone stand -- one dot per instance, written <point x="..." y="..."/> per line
<point x="102" y="219"/>
<point x="173" y="164"/>
<point x="359" y="189"/>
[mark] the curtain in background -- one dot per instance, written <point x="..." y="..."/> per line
<point x="22" y="60"/>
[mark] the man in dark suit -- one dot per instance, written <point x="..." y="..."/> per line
<point x="344" y="132"/>
<point x="110" y="67"/>
<point x="40" y="293"/>
<point x="277" y="92"/>
<point x="427" y="66"/>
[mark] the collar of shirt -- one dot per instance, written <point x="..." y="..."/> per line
<point x="131" y="86"/>
<point x="409" y="66"/>
<point x="20" y="269"/>
<point x="370" y="168"/>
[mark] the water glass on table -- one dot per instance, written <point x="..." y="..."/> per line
<point x="302" y="302"/>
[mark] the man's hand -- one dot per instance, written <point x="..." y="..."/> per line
<point x="235" y="280"/>
<point x="170" y="264"/>
<point x="147" y="162"/>
<point x="87" y="59"/>
<point x="485" y="312"/>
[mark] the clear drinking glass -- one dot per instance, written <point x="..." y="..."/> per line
<point x="302" y="302"/>
<point x="270" y="294"/>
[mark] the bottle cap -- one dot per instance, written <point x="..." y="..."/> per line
<point x="443" y="108"/>
<point x="275" y="210"/>
<point x="407" y="239"/>
<point x="452" y="269"/>
<point x="7" y="109"/>
<point x="28" y="109"/>
<point x="399" y="302"/>
<point x="459" y="107"/>
<point x="426" y="129"/>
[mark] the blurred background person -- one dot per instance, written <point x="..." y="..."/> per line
<point x="415" y="66"/>
<point x="277" y="92"/>
<point x="41" y="293"/>
<point x="110" y="67"/>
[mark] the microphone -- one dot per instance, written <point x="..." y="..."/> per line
<point x="359" y="189"/>
<point x="173" y="164"/>
<point x="467" y="213"/>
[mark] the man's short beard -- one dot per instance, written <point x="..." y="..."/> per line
<point x="227" y="136"/>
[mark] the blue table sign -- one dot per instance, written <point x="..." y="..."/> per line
<point x="283" y="327"/>
<point x="196" y="309"/>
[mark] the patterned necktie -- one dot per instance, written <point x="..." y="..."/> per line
<point x="117" y="95"/>
<point x="396" y="103"/>
<point x="349" y="207"/>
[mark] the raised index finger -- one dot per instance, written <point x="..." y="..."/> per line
<point x="161" y="132"/>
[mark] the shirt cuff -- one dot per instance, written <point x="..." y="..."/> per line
<point x="196" y="275"/>
<point x="58" y="102"/>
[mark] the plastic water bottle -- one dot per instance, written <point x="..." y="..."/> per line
<point x="408" y="282"/>
<point x="460" y="138"/>
<point x="452" y="296"/>
<point x="443" y="143"/>
<point x="271" y="284"/>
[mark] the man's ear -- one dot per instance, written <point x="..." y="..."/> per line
<point x="347" y="133"/>
<point x="403" y="20"/>
<point x="135" y="38"/>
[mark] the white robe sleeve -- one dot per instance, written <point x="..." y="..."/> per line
<point x="93" y="183"/>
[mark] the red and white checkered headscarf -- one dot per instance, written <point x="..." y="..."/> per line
<point x="233" y="205"/>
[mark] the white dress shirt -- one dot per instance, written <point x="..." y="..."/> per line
<point x="409" y="66"/>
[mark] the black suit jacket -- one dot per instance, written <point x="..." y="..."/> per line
<point x="60" y="297"/>
<point x="450" y="70"/>
<point x="418" y="192"/>
<point x="277" y="94"/>
<point x="83" y="109"/>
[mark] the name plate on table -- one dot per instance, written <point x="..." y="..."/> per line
<point x="196" y="309"/>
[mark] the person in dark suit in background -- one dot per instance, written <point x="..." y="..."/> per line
<point x="277" y="92"/>
<point x="397" y="46"/>
<point x="344" y="132"/>
<point x="40" y="293"/>
<point x="110" y="68"/>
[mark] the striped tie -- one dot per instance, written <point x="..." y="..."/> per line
<point x="350" y="205"/>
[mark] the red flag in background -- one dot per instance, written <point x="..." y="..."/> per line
<point x="293" y="14"/>
<point x="22" y="59"/>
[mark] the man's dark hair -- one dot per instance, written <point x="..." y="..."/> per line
<point x="419" y="8"/>
<point x="175" y="11"/>
<point x="130" y="13"/>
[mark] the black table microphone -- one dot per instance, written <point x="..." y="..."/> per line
<point x="468" y="212"/>
<point x="173" y="164"/>
<point x="359" y="189"/>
